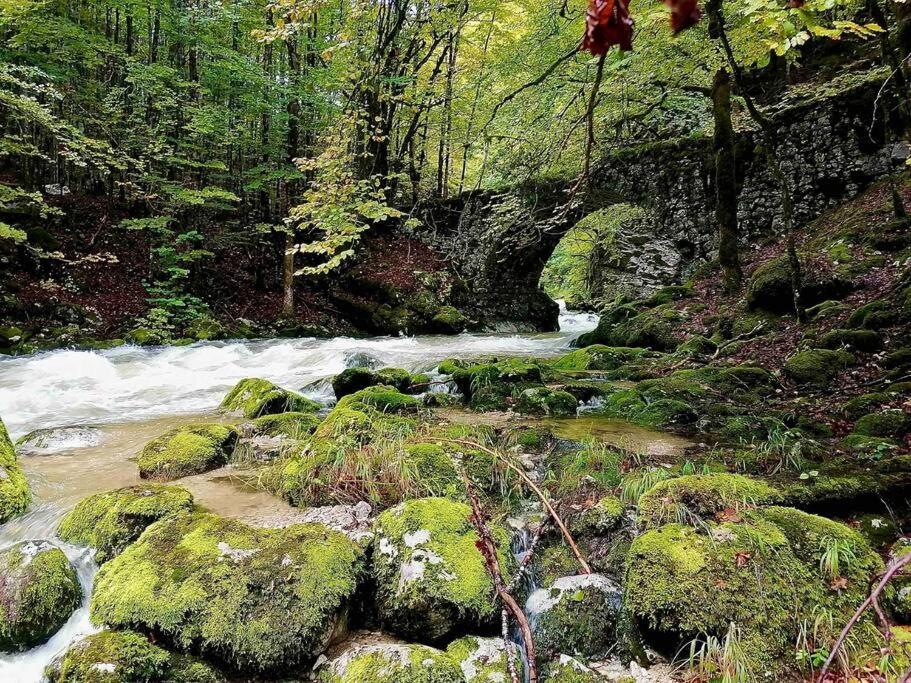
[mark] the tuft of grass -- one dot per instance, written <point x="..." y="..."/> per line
<point x="721" y="660"/>
<point x="836" y="554"/>
<point x="638" y="483"/>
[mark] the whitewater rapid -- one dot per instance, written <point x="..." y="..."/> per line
<point x="66" y="387"/>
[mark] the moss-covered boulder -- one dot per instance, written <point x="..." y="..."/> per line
<point x="701" y="496"/>
<point x="39" y="590"/>
<point x="258" y="599"/>
<point x="566" y="669"/>
<point x="430" y="576"/>
<point x="598" y="357"/>
<point x="482" y="660"/>
<point x="873" y="315"/>
<point x="391" y="663"/>
<point x="544" y="401"/>
<point x="288" y="425"/>
<point x="859" y="340"/>
<point x="355" y="379"/>
<point x="253" y="397"/>
<point x="891" y="423"/>
<point x="629" y="326"/>
<point x="767" y="573"/>
<point x="575" y="615"/>
<point x="696" y="345"/>
<point x="126" y="657"/>
<point x="769" y="287"/>
<point x="110" y="521"/>
<point x="449" y="320"/>
<point x="384" y="398"/>
<point x="186" y="450"/>
<point x="817" y="367"/>
<point x="605" y="516"/>
<point x="866" y="403"/>
<point x="493" y="386"/>
<point x="15" y="495"/>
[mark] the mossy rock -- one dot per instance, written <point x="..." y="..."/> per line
<point x="355" y="379"/>
<point x="576" y="615"/>
<point x="289" y="425"/>
<point x="39" y="590"/>
<point x="826" y="309"/>
<point x="110" y="521"/>
<point x="763" y="573"/>
<point x="626" y="326"/>
<point x="873" y="315"/>
<point x="254" y="397"/>
<point x="858" y="443"/>
<point x="605" y="516"/>
<point x="892" y="423"/>
<point x="861" y="405"/>
<point x="384" y="398"/>
<point x="126" y="657"/>
<point x="482" y="660"/>
<point x="260" y="600"/>
<point x="879" y="530"/>
<point x="817" y="367"/>
<point x="544" y="401"/>
<point x="391" y="663"/>
<point x="15" y="494"/>
<point x="430" y="576"/>
<point x="701" y="496"/>
<point x="598" y="357"/>
<point x="861" y="340"/>
<point x="566" y="669"/>
<point x="449" y="320"/>
<point x="696" y="345"/>
<point x="449" y="365"/>
<point x="769" y="287"/>
<point x="898" y="359"/>
<point x="187" y="450"/>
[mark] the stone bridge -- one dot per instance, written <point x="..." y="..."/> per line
<point x="830" y="145"/>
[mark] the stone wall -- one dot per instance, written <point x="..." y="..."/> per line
<point x="830" y="145"/>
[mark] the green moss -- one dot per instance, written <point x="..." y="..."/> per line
<point x="598" y="357"/>
<point x="700" y="496"/>
<point x="356" y="379"/>
<point x="383" y="398"/>
<point x="891" y="423"/>
<point x="817" y="367"/>
<point x="449" y="320"/>
<point x="544" y="401"/>
<point x="482" y="660"/>
<point x="861" y="405"/>
<point x="697" y="345"/>
<point x="258" y="599"/>
<point x="873" y="315"/>
<point x="430" y="576"/>
<point x="764" y="574"/>
<point x="15" y="495"/>
<point x="39" y="590"/>
<point x="186" y="450"/>
<point x="450" y="365"/>
<point x="391" y="663"/>
<point x="126" y="657"/>
<point x="606" y="515"/>
<point x="253" y="397"/>
<point x="566" y="669"/>
<point x="861" y="340"/>
<point x="291" y="425"/>
<point x="626" y="326"/>
<point x="595" y="467"/>
<point x="110" y="521"/>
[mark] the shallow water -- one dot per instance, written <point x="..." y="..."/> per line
<point x="619" y="433"/>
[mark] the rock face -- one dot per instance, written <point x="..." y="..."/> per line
<point x="14" y="492"/>
<point x="186" y="450"/>
<point x="126" y="657"/>
<point x="500" y="241"/>
<point x="575" y="615"/>
<point x="254" y="397"/>
<point x="391" y="663"/>
<point x="258" y="599"/>
<point x="430" y="576"/>
<point x="39" y="590"/>
<point x="110" y="521"/>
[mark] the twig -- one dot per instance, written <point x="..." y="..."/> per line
<point x="538" y="492"/>
<point x="891" y="571"/>
<point x="740" y="337"/>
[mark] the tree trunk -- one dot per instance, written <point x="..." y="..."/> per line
<point x="725" y="183"/>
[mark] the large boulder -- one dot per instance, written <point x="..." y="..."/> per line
<point x="769" y="288"/>
<point x="626" y="325"/>
<point x="258" y="599"/>
<point x="430" y="577"/>
<point x="126" y="657"/>
<point x="892" y="423"/>
<point x="391" y="663"/>
<point x="187" y="450"/>
<point x="599" y="357"/>
<point x="354" y="379"/>
<point x="817" y="367"/>
<point x="253" y="397"/>
<point x="575" y="615"/>
<point x="767" y="570"/>
<point x="14" y="492"/>
<point x="110" y="521"/>
<point x="39" y="590"/>
<point x="545" y="401"/>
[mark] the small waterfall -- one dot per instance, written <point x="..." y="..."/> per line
<point x="522" y="540"/>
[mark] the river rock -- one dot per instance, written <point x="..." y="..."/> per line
<point x="430" y="576"/>
<point x="39" y="590"/>
<point x="187" y="450"/>
<point x="258" y="599"/>
<point x="575" y="614"/>
<point x="391" y="663"/>
<point x="110" y="521"/>
<point x="14" y="492"/>
<point x="126" y="657"/>
<point x="253" y="397"/>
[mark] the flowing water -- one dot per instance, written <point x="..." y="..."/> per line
<point x="96" y="409"/>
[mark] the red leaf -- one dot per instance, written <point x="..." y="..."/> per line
<point x="684" y="13"/>
<point x="607" y="23"/>
<point x="743" y="558"/>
